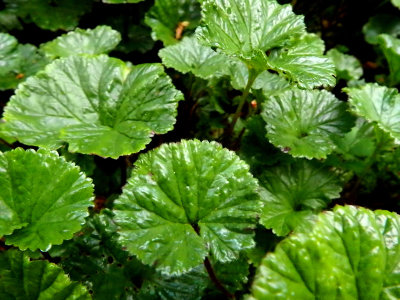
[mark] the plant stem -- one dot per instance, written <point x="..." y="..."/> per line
<point x="215" y="280"/>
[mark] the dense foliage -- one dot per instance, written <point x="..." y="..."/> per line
<point x="199" y="149"/>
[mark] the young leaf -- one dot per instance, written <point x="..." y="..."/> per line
<point x="99" y="40"/>
<point x="191" y="56"/>
<point x="17" y="62"/>
<point x="347" y="66"/>
<point x="96" y="104"/>
<point x="391" y="49"/>
<point x="43" y="198"/>
<point x="51" y="15"/>
<point x="294" y="193"/>
<point x="24" y="279"/>
<point x="352" y="253"/>
<point x="170" y="20"/>
<point x="184" y="200"/>
<point x="378" y="104"/>
<point x="304" y="123"/>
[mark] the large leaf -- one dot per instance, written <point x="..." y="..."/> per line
<point x="96" y="104"/>
<point x="378" y="104"/>
<point x="99" y="40"/>
<point x="184" y="200"/>
<point x="24" y="279"/>
<point x="50" y="14"/>
<point x="379" y="24"/>
<point x="17" y="62"/>
<point x="190" y="56"/>
<point x="294" y="193"/>
<point x="347" y="66"/>
<point x="245" y="28"/>
<point x="305" y="123"/>
<point x="350" y="254"/>
<point x="170" y="20"/>
<point x="43" y="198"/>
<point x="391" y="49"/>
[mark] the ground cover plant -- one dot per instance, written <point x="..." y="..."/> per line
<point x="199" y="149"/>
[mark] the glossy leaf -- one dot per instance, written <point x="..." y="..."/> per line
<point x="391" y="49"/>
<point x="190" y="56"/>
<point x="352" y="253"/>
<point x="347" y="66"/>
<point x="378" y="104"/>
<point x="305" y="123"/>
<point x="381" y="24"/>
<point x="50" y="15"/>
<point x="294" y="193"/>
<point x="24" y="279"/>
<point x="184" y="200"/>
<point x="17" y="62"/>
<point x="111" y="114"/>
<point x="171" y="20"/>
<point x="43" y="198"/>
<point x="99" y="40"/>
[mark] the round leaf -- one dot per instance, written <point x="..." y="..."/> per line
<point x="96" y="104"/>
<point x="43" y="198"/>
<point x="304" y="123"/>
<point x="388" y="24"/>
<point x="185" y="199"/>
<point x="347" y="66"/>
<point x="352" y="253"/>
<point x="294" y="193"/>
<point x="24" y="279"/>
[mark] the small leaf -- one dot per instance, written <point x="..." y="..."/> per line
<point x="294" y="193"/>
<point x="352" y="253"/>
<point x="347" y="66"/>
<point x="190" y="56"/>
<point x="378" y="104"/>
<point x="379" y="24"/>
<point x="184" y="200"/>
<point x="170" y="20"/>
<point x="111" y="114"/>
<point x="99" y="40"/>
<point x="391" y="49"/>
<point x="43" y="198"/>
<point x="51" y="15"/>
<point x="24" y="279"/>
<point x="305" y="123"/>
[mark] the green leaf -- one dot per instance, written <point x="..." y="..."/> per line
<point x="24" y="279"/>
<point x="190" y="56"/>
<point x="347" y="66"/>
<point x="388" y="24"/>
<point x="294" y="193"/>
<point x="245" y="28"/>
<point x="43" y="198"/>
<point x="17" y="62"/>
<point x="391" y="49"/>
<point x="170" y="20"/>
<point x="305" y="123"/>
<point x="396" y="3"/>
<point x="51" y="15"/>
<point x="9" y="21"/>
<point x="352" y="253"/>
<point x="378" y="104"/>
<point x="98" y="105"/>
<point x="99" y="40"/>
<point x="184" y="200"/>
<point x="303" y="62"/>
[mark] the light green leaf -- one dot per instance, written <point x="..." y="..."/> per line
<point x="96" y="104"/>
<point x="396" y="3"/>
<point x="378" y="104"/>
<point x="305" y="123"/>
<point x="43" y="198"/>
<point x="391" y="49"/>
<point x="184" y="200"/>
<point x="388" y="24"/>
<point x="347" y="66"/>
<point x="352" y="253"/>
<point x="17" y="62"/>
<point x="294" y="193"/>
<point x="51" y="15"/>
<point x="170" y="20"/>
<point x="245" y="28"/>
<point x="303" y="62"/>
<point x="99" y="40"/>
<point x="24" y="279"/>
<point x="190" y="56"/>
